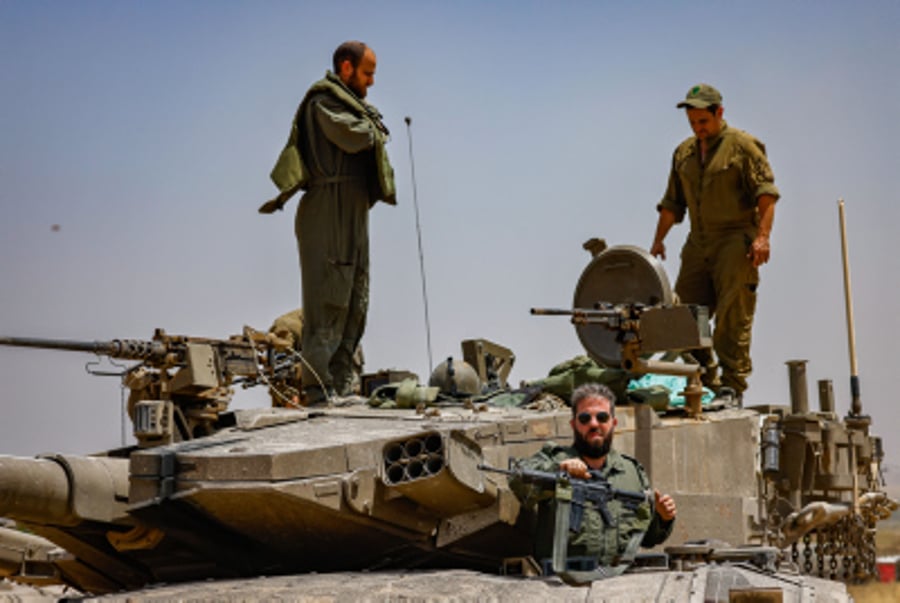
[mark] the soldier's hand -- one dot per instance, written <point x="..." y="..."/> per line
<point x="575" y="468"/>
<point x="665" y="506"/>
<point x="270" y="207"/>
<point x="759" y="251"/>
<point x="658" y="249"/>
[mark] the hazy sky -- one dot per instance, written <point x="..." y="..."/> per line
<point x="147" y="130"/>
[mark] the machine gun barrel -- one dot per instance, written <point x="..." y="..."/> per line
<point x="613" y="318"/>
<point x="122" y="349"/>
<point x="596" y="313"/>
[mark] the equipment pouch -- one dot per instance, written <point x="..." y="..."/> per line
<point x="289" y="174"/>
<point x="289" y="171"/>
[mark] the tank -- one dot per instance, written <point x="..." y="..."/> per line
<point x="775" y="501"/>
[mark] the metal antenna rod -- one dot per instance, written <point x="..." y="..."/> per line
<point x="856" y="404"/>
<point x="412" y="166"/>
<point x="122" y="410"/>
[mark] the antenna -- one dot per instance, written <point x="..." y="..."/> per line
<point x="856" y="404"/>
<point x="412" y="166"/>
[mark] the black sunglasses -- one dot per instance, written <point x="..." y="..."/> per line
<point x="585" y="417"/>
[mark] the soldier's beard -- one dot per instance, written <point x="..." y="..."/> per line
<point x="593" y="451"/>
<point x="357" y="87"/>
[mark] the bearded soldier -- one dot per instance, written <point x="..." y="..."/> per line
<point x="336" y="153"/>
<point x="593" y="427"/>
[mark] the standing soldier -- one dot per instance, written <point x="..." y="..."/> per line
<point x="722" y="179"/>
<point x="336" y="153"/>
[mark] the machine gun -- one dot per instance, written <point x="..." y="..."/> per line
<point x="181" y="385"/>
<point x="580" y="493"/>
<point x="624" y="310"/>
<point x="640" y="330"/>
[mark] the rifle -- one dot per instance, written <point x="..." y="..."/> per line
<point x="572" y="496"/>
<point x="596" y="492"/>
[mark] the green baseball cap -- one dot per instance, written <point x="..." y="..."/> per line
<point x="701" y="96"/>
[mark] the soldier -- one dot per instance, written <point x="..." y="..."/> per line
<point x="336" y="153"/>
<point x="593" y="427"/>
<point x="722" y="179"/>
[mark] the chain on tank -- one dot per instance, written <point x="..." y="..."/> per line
<point x="843" y="551"/>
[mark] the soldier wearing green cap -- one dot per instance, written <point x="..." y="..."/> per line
<point x="336" y="154"/>
<point x="721" y="179"/>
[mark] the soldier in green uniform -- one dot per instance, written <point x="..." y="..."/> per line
<point x="336" y="153"/>
<point x="721" y="178"/>
<point x="593" y="425"/>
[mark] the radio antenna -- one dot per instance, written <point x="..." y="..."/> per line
<point x="856" y="403"/>
<point x="412" y="166"/>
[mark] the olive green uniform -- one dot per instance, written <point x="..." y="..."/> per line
<point x="594" y="539"/>
<point x="344" y="169"/>
<point x="720" y="196"/>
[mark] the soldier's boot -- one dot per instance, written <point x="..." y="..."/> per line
<point x="735" y="386"/>
<point x="728" y="397"/>
<point x="343" y="382"/>
<point x="314" y="395"/>
<point x="349" y="400"/>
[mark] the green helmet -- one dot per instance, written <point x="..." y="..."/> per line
<point x="456" y="378"/>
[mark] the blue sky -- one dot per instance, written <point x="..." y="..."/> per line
<point x="146" y="131"/>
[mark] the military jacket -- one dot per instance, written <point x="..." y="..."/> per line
<point x="720" y="195"/>
<point x="594" y="538"/>
<point x="353" y="125"/>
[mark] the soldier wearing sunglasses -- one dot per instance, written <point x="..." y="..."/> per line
<point x="593" y="427"/>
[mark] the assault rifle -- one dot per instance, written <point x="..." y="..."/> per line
<point x="596" y="492"/>
<point x="572" y="496"/>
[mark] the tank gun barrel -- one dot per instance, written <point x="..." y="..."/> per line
<point x="33" y="489"/>
<point x="123" y="349"/>
<point x="63" y="489"/>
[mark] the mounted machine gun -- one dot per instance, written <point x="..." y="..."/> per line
<point x="624" y="310"/>
<point x="181" y="384"/>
